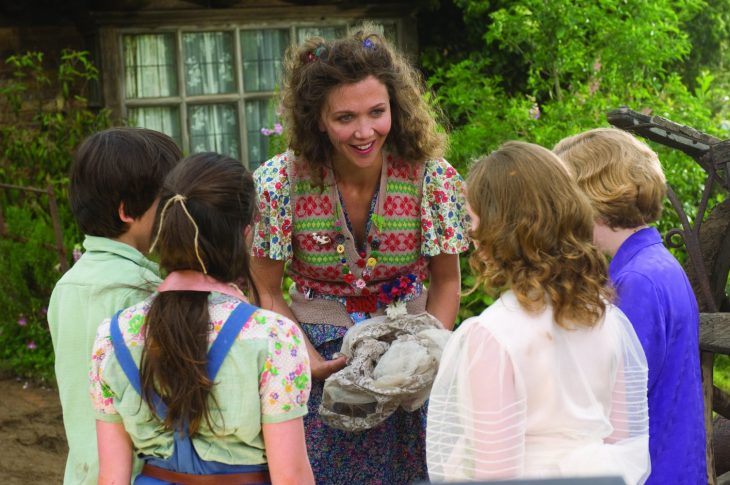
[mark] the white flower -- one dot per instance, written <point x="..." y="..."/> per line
<point x="396" y="309"/>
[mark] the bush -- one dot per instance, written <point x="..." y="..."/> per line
<point x="36" y="151"/>
<point x="567" y="66"/>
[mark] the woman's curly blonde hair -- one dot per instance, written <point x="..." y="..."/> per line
<point x="313" y="69"/>
<point x="534" y="235"/>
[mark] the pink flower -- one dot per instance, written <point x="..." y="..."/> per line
<point x="31" y="345"/>
<point x="76" y="253"/>
<point x="535" y="112"/>
<point x="278" y="129"/>
<point x="22" y="321"/>
<point x="267" y="131"/>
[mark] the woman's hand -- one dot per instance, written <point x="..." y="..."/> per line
<point x="321" y="367"/>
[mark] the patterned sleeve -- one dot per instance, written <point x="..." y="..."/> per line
<point x="272" y="235"/>
<point x="101" y="394"/>
<point x="444" y="220"/>
<point x="285" y="379"/>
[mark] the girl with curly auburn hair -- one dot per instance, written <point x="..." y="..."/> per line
<point x="534" y="241"/>
<point x="550" y="380"/>
<point x="360" y="211"/>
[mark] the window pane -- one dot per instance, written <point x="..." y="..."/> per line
<point x="164" y="119"/>
<point x="209" y="63"/>
<point x="262" y="52"/>
<point x="214" y="128"/>
<point x="149" y="66"/>
<point x="303" y="33"/>
<point x="260" y="114"/>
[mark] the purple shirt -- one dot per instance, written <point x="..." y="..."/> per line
<point x="654" y="292"/>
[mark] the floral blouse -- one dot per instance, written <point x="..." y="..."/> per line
<point x="443" y="217"/>
<point x="265" y="378"/>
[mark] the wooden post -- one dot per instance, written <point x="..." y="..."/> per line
<point x="707" y="361"/>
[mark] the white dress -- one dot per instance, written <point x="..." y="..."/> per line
<point x="517" y="395"/>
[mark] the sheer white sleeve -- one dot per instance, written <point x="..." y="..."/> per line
<point x="476" y="412"/>
<point x="629" y="406"/>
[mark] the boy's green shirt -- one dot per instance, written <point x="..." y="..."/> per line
<point x="108" y="277"/>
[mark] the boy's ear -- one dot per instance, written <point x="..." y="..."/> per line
<point x="123" y="214"/>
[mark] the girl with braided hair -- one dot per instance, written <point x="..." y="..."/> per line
<point x="202" y="385"/>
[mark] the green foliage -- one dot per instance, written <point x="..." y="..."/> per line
<point x="30" y="270"/>
<point x="709" y="32"/>
<point x="37" y="152"/>
<point x="546" y="70"/>
<point x="721" y="376"/>
<point x="51" y="117"/>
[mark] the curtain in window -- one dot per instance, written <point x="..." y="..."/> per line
<point x="165" y="119"/>
<point x="209" y="63"/>
<point x="149" y="66"/>
<point x="262" y="52"/>
<point x="259" y="114"/>
<point x="214" y="128"/>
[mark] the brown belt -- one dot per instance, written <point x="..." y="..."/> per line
<point x="221" y="479"/>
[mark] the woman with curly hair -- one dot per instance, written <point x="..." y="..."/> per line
<point x="550" y="380"/>
<point x="362" y="210"/>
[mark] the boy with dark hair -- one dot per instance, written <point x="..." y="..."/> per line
<point x="115" y="182"/>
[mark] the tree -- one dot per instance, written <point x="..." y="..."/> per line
<point x="543" y="70"/>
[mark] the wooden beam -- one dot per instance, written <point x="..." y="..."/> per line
<point x="258" y="14"/>
<point x="715" y="332"/>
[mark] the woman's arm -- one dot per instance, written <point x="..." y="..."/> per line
<point x="444" y="291"/>
<point x="268" y="275"/>
<point x="286" y="453"/>
<point x="115" y="453"/>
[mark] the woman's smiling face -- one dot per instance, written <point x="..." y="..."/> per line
<point x="356" y="118"/>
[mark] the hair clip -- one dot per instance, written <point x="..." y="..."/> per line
<point x="315" y="54"/>
<point x="368" y="43"/>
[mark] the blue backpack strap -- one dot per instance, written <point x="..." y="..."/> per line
<point x="231" y="328"/>
<point x="124" y="357"/>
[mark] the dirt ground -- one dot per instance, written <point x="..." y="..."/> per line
<point x="33" y="442"/>
<point x="32" y="438"/>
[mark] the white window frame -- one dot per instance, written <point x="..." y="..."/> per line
<point x="113" y="75"/>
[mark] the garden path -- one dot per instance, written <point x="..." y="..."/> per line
<point x="32" y="438"/>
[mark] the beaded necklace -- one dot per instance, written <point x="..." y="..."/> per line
<point x="367" y="265"/>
